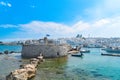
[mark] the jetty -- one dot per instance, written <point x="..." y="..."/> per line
<point x="114" y="54"/>
<point x="27" y="71"/>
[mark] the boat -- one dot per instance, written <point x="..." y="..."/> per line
<point x="113" y="54"/>
<point x="77" y="55"/>
<point x="85" y="51"/>
<point x="113" y="49"/>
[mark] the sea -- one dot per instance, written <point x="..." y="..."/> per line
<point x="91" y="66"/>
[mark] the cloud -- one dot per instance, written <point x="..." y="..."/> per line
<point x="6" y="4"/>
<point x="32" y="6"/>
<point x="101" y="22"/>
<point x="7" y="26"/>
<point x="104" y="9"/>
<point x="80" y="26"/>
<point x="9" y="5"/>
<point x="52" y="28"/>
<point x="105" y="27"/>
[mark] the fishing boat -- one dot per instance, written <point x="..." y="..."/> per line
<point x="77" y="55"/>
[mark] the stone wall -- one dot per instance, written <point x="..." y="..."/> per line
<point x="48" y="51"/>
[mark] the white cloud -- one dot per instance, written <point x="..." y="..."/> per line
<point x="103" y="9"/>
<point x="32" y="6"/>
<point x="101" y="22"/>
<point x="80" y="26"/>
<point x="8" y="26"/>
<point x="5" y="4"/>
<point x="106" y="27"/>
<point x="52" y="28"/>
<point x="103" y="28"/>
<point x="9" y="5"/>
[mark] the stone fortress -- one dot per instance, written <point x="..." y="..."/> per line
<point x="48" y="48"/>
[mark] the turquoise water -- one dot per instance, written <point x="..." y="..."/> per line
<point x="16" y="48"/>
<point x="106" y="67"/>
<point x="9" y="62"/>
<point x="92" y="66"/>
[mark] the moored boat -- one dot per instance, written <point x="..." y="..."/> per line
<point x="85" y="51"/>
<point x="113" y="49"/>
<point x="77" y="55"/>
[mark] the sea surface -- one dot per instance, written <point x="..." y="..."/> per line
<point x="16" y="48"/>
<point x="92" y="66"/>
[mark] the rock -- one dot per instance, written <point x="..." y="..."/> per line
<point x="40" y="58"/>
<point x="1" y="53"/>
<point x="34" y="61"/>
<point x="12" y="52"/>
<point x="20" y="60"/>
<point x="22" y="74"/>
<point x="19" y="74"/>
<point x="21" y="66"/>
<point x="26" y="71"/>
<point x="6" y="52"/>
<point x="31" y="72"/>
<point x="29" y="66"/>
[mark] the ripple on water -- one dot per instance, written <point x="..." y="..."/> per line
<point x="8" y="63"/>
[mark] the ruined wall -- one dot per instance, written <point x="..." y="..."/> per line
<point x="49" y="51"/>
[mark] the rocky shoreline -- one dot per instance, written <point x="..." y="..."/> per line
<point x="26" y="71"/>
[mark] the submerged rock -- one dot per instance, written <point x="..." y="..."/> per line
<point x="6" y="52"/>
<point x="1" y="53"/>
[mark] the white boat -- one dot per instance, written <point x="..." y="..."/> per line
<point x="113" y="49"/>
<point x="84" y="51"/>
<point x="77" y="55"/>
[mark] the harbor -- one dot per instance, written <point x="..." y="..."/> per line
<point x="59" y="40"/>
<point x="69" y="67"/>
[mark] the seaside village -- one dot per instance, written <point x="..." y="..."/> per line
<point x="38" y="50"/>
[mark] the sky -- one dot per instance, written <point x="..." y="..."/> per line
<point x="33" y="19"/>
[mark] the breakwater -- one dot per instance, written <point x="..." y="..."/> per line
<point x="26" y="71"/>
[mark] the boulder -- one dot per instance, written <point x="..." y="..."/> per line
<point x="19" y="74"/>
<point x="1" y="53"/>
<point x="40" y="58"/>
<point x="26" y="71"/>
<point x="6" y="52"/>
